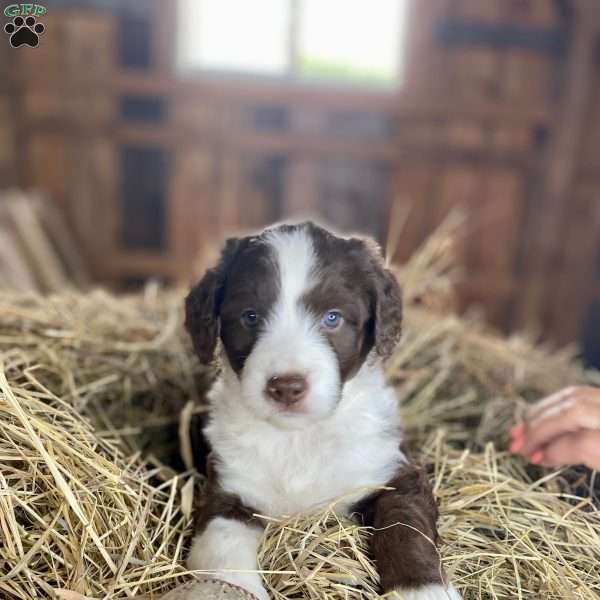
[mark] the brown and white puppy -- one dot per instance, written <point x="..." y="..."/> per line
<point x="301" y="414"/>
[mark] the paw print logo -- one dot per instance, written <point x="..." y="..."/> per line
<point x="24" y="32"/>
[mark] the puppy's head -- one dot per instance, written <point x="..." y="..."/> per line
<point x="297" y="310"/>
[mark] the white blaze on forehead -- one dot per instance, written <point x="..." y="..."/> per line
<point x="296" y="262"/>
<point x="291" y="340"/>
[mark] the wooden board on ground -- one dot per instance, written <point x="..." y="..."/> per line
<point x="37" y="252"/>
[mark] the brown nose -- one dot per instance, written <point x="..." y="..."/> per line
<point x="287" y="389"/>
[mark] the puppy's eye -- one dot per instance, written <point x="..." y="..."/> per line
<point x="249" y="318"/>
<point x="332" y="319"/>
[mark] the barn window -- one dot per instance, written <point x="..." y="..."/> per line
<point x="310" y="40"/>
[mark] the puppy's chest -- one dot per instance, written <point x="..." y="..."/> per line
<point x="286" y="473"/>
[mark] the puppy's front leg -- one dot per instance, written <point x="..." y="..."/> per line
<point x="404" y="537"/>
<point x="226" y="546"/>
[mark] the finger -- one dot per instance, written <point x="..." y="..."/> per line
<point x="548" y="422"/>
<point x="582" y="447"/>
<point x="517" y="432"/>
<point x="550" y="406"/>
<point x="549" y="401"/>
<point x="568" y="416"/>
<point x="585" y="399"/>
<point x="585" y="394"/>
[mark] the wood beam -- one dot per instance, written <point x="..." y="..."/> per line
<point x="549" y="211"/>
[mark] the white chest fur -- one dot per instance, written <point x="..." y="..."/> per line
<point x="281" y="471"/>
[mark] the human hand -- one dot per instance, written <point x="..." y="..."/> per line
<point x="563" y="428"/>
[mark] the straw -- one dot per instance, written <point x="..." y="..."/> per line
<point x="98" y="397"/>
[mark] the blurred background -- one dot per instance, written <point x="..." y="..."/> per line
<point x="144" y="131"/>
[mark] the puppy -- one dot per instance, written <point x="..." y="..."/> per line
<point x="301" y="414"/>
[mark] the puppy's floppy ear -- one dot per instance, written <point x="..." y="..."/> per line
<point x="386" y="302"/>
<point x="385" y="296"/>
<point x="203" y="304"/>
<point x="388" y="311"/>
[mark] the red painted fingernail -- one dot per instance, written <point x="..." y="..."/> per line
<point x="517" y="430"/>
<point x="536" y="457"/>
<point x="516" y="445"/>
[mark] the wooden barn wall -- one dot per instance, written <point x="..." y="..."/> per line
<point x="152" y="170"/>
<point x="8" y="149"/>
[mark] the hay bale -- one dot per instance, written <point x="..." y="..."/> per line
<point x="87" y="380"/>
<point x="75" y="512"/>
<point x="79" y="508"/>
<point x="122" y="362"/>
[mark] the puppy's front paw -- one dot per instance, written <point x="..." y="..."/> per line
<point x="427" y="592"/>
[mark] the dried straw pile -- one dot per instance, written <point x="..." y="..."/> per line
<point x="87" y="380"/>
<point x="77" y="510"/>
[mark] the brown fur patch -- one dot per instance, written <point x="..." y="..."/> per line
<point x="353" y="280"/>
<point x="404" y="531"/>
<point x="252" y="282"/>
<point x="215" y="502"/>
<point x="215" y="305"/>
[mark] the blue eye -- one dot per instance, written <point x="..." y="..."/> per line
<point x="332" y="319"/>
<point x="249" y="318"/>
